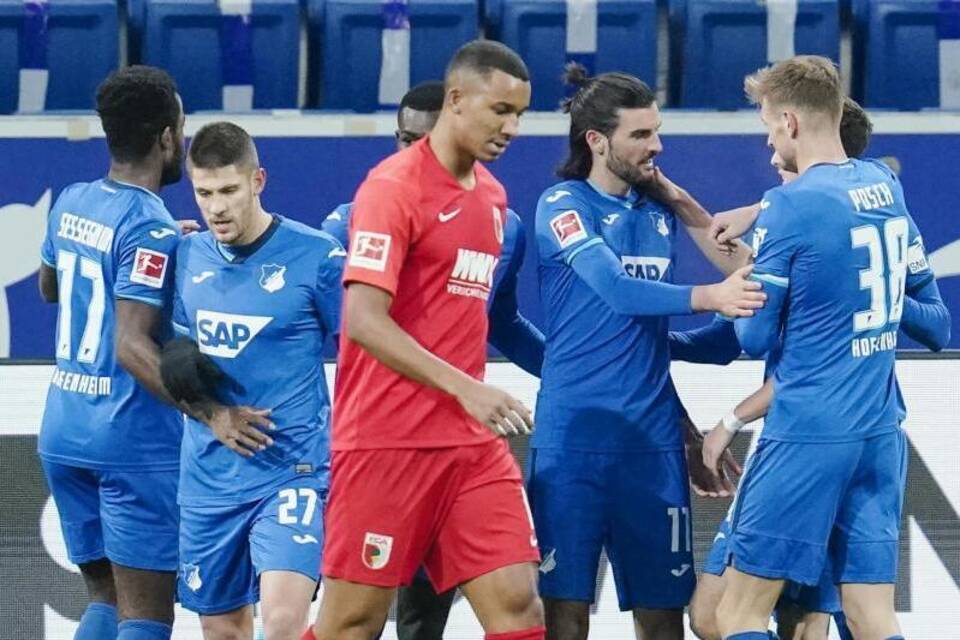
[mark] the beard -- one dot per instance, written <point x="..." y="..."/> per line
<point x="629" y="173"/>
<point x="173" y="171"/>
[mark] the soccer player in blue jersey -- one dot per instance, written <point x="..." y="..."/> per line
<point x="803" y="612"/>
<point x="259" y="294"/>
<point x="421" y="612"/>
<point x="607" y="468"/>
<point x="837" y="251"/>
<point x="108" y="444"/>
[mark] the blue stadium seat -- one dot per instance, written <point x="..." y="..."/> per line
<point x="724" y="40"/>
<point x="897" y="48"/>
<point x="136" y="15"/>
<point x="193" y="41"/>
<point x="625" y="40"/>
<point x="79" y="50"/>
<point x="347" y="47"/>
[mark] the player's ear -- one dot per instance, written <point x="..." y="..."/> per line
<point x="259" y="180"/>
<point x="167" y="140"/>
<point x="596" y="141"/>
<point x="792" y="123"/>
<point x="454" y="99"/>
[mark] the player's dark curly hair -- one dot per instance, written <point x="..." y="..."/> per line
<point x="135" y="105"/>
<point x="594" y="106"/>
<point x="426" y="96"/>
<point x="221" y="144"/>
<point x="855" y="129"/>
<point x="485" y="56"/>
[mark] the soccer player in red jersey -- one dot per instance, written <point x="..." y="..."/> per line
<point x="421" y="474"/>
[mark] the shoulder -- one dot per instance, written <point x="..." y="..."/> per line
<point x="562" y="197"/>
<point x="317" y="243"/>
<point x="340" y="213"/>
<point x="193" y="243"/>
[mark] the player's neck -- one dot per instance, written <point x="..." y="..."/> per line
<point x="261" y="222"/>
<point x="451" y="157"/>
<point x="823" y="149"/>
<point x="141" y="175"/>
<point x="607" y="182"/>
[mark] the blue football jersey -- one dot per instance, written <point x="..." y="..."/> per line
<point x="836" y="250"/>
<point x="107" y="241"/>
<point x="262" y="313"/>
<point x="606" y="376"/>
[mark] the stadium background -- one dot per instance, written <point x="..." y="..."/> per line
<point x="901" y="54"/>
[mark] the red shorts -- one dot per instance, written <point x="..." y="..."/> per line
<point x="460" y="512"/>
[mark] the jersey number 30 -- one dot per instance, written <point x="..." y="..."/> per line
<point x="884" y="278"/>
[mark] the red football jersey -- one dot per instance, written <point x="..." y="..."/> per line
<point x="417" y="233"/>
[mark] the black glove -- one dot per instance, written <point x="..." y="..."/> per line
<point x="188" y="375"/>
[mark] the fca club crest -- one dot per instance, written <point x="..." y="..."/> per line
<point x="271" y="277"/>
<point x="376" y="550"/>
<point x="498" y="225"/>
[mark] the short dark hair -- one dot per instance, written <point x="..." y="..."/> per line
<point x="855" y="129"/>
<point x="426" y="96"/>
<point x="135" y="105"/>
<point x="486" y="56"/>
<point x="221" y="144"/>
<point x="595" y="105"/>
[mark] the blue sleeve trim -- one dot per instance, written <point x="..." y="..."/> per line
<point x="780" y="281"/>
<point x="48" y="263"/>
<point x="586" y="245"/>
<point x="180" y="329"/>
<point x="144" y="300"/>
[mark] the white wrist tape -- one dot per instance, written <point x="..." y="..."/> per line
<point x="732" y="423"/>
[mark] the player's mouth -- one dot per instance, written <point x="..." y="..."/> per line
<point x="648" y="165"/>
<point x="220" y="226"/>
<point x="499" y="146"/>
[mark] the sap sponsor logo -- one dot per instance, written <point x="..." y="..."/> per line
<point x="370" y="250"/>
<point x="557" y="195"/>
<point x="376" y="550"/>
<point x="759" y="235"/>
<point x="225" y="335"/>
<point x="472" y="274"/>
<point x="149" y="267"/>
<point x="917" y="257"/>
<point x="646" y="268"/>
<point x="568" y="228"/>
<point x="22" y="228"/>
<point x="271" y="277"/>
<point x="871" y="197"/>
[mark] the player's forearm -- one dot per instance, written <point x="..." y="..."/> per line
<point x="926" y="318"/>
<point x="139" y="355"/>
<point x="386" y="341"/>
<point x="715" y="343"/>
<point x="756" y="405"/>
<point x="47" y="281"/>
<point x="696" y="220"/>
<point x="604" y="274"/>
<point x="520" y="341"/>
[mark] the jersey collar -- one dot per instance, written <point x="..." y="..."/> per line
<point x="127" y="185"/>
<point x="630" y="200"/>
<point x="236" y="255"/>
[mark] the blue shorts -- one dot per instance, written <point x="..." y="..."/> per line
<point x="636" y="506"/>
<point x="111" y="514"/>
<point x="824" y="597"/>
<point x="805" y="506"/>
<point x="224" y="549"/>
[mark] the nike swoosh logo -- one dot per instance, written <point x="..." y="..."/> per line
<point x="305" y="539"/>
<point x="203" y="276"/>
<point x="682" y="570"/>
<point x="447" y="217"/>
<point x="160" y="234"/>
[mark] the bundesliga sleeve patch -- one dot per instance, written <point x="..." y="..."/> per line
<point x="370" y="250"/>
<point x="149" y="268"/>
<point x="917" y="257"/>
<point x="568" y="229"/>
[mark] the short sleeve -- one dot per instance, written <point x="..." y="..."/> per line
<point x="564" y="226"/>
<point x="337" y="223"/>
<point x="328" y="293"/>
<point x="775" y="241"/>
<point x="381" y="230"/>
<point x="145" y="255"/>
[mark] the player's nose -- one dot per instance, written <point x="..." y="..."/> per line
<point x="511" y="126"/>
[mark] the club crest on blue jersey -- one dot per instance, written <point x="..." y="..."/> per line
<point x="271" y="277"/>
<point x="191" y="576"/>
<point x="660" y="222"/>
